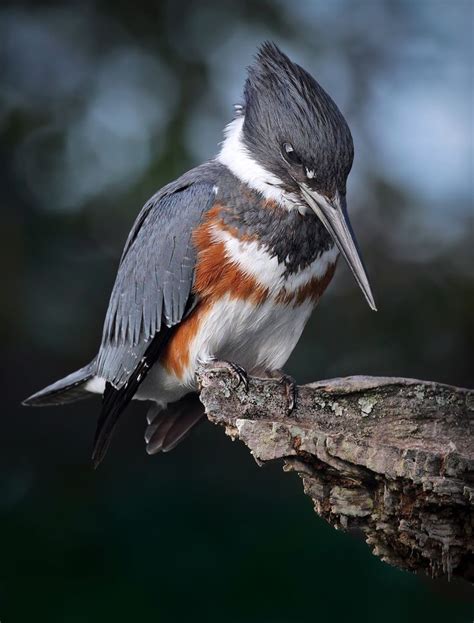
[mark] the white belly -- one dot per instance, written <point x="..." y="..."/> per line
<point x="263" y="335"/>
<point x="250" y="335"/>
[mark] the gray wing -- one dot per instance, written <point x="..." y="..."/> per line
<point x="155" y="277"/>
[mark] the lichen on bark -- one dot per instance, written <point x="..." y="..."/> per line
<point x="392" y="458"/>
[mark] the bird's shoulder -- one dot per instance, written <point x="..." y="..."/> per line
<point x="177" y="198"/>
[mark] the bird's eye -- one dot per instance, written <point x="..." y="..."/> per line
<point x="290" y="154"/>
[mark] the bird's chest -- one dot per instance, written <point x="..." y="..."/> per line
<point x="247" y="257"/>
<point x="255" y="303"/>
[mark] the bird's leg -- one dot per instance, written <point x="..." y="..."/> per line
<point x="288" y="382"/>
<point x="239" y="374"/>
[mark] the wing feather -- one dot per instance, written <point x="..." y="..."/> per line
<point x="154" y="279"/>
<point x="151" y="294"/>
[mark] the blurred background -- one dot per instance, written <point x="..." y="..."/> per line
<point x="101" y="103"/>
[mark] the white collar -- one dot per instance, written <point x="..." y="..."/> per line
<point x="236" y="157"/>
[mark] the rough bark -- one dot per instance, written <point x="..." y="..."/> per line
<point x="392" y="458"/>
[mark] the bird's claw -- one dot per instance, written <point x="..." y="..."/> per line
<point x="288" y="382"/>
<point x="238" y="373"/>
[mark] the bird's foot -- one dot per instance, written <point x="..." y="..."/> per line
<point x="288" y="382"/>
<point x="238" y="373"/>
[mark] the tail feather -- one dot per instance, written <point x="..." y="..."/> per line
<point x="116" y="400"/>
<point x="68" y="389"/>
<point x="168" y="427"/>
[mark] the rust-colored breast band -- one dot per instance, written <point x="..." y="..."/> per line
<point x="311" y="291"/>
<point x="216" y="274"/>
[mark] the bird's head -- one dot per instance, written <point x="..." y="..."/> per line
<point x="291" y="142"/>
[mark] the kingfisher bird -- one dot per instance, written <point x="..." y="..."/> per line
<point x="226" y="263"/>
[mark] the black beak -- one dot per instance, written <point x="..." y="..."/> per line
<point x="333" y="215"/>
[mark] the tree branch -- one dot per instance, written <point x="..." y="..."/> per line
<point x="392" y="458"/>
